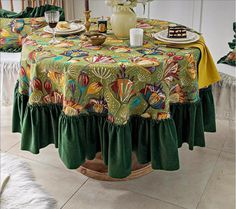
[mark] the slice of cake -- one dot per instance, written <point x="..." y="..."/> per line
<point x="177" y="31"/>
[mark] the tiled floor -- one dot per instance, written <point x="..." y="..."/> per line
<point x="206" y="179"/>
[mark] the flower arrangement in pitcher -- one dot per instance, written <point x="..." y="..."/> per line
<point x="123" y="17"/>
<point x="129" y="3"/>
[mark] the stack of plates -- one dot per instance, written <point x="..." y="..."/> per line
<point x="163" y="36"/>
<point x="74" y="28"/>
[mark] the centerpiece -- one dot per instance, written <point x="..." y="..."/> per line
<point x="123" y="17"/>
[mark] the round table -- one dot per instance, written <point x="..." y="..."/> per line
<point x="110" y="99"/>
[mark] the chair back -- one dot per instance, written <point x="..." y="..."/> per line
<point x="34" y="3"/>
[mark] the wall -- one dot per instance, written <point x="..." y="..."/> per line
<point x="217" y="25"/>
<point x="16" y="4"/>
<point x="181" y="11"/>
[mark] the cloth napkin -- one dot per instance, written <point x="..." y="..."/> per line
<point x="207" y="72"/>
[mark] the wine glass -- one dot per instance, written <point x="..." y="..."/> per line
<point x="52" y="18"/>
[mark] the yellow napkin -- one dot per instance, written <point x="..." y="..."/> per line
<point x="207" y="72"/>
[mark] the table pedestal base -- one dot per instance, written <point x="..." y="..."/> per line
<point x="96" y="169"/>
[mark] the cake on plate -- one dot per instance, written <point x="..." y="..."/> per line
<point x="177" y="31"/>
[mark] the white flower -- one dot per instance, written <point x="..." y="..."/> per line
<point x="143" y="1"/>
<point x="130" y="3"/>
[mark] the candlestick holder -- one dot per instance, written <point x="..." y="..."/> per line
<point x="87" y="20"/>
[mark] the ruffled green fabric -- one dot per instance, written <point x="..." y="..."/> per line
<point x="208" y="109"/>
<point x="193" y="119"/>
<point x="19" y="107"/>
<point x="157" y="144"/>
<point x="40" y="127"/>
<point x="81" y="137"/>
<point x="188" y="119"/>
<point x="38" y="124"/>
<point x="32" y="12"/>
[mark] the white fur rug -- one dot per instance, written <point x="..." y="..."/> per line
<point x="21" y="191"/>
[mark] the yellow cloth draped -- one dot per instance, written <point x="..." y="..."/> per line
<point x="207" y="72"/>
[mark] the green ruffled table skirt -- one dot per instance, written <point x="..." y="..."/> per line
<point x="80" y="138"/>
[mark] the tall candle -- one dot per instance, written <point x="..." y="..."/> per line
<point x="86" y="3"/>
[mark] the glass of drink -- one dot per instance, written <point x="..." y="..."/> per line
<point x="52" y="18"/>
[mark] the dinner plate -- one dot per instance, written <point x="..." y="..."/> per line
<point x="73" y="27"/>
<point x="162" y="36"/>
<point x="78" y="29"/>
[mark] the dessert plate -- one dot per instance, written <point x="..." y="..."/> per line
<point x="67" y="27"/>
<point x="162" y="36"/>
<point x="75" y="28"/>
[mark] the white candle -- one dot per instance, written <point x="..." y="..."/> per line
<point x="136" y="37"/>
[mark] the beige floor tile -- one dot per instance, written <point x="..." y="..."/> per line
<point x="6" y="115"/>
<point x="6" y="110"/>
<point x="229" y="145"/>
<point x="220" y="191"/>
<point x="60" y="183"/>
<point x="183" y="187"/>
<point x="216" y="140"/>
<point x="48" y="155"/>
<point x="8" y="139"/>
<point x="105" y="195"/>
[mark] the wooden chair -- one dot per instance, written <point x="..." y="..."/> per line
<point x="34" y="3"/>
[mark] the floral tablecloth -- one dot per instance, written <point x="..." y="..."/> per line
<point x="110" y="98"/>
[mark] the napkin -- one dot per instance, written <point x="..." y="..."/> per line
<point x="207" y="71"/>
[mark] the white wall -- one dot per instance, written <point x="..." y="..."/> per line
<point x="97" y="7"/>
<point x="181" y="11"/>
<point x="16" y="5"/>
<point x="217" y="25"/>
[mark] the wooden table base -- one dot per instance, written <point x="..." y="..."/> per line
<point x="96" y="169"/>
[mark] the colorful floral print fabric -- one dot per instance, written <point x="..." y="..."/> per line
<point x="13" y="30"/>
<point x="112" y="79"/>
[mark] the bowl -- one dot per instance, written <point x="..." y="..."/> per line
<point x="96" y="38"/>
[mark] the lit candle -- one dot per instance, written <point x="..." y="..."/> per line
<point x="136" y="37"/>
<point x="86" y="3"/>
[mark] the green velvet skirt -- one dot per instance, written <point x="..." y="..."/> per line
<point x="80" y="137"/>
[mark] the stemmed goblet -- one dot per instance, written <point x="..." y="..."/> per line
<point x="52" y="18"/>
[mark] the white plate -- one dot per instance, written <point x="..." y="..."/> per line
<point x="67" y="32"/>
<point x="73" y="26"/>
<point x="49" y="30"/>
<point x="162" y="36"/>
